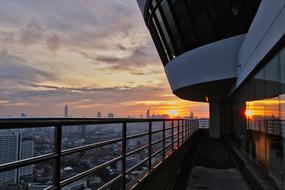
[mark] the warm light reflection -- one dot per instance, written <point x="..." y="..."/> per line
<point x="248" y="113"/>
<point x="267" y="108"/>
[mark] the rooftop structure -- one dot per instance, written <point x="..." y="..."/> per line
<point x="232" y="55"/>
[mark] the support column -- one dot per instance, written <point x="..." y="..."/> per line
<point x="215" y="130"/>
<point x="220" y="118"/>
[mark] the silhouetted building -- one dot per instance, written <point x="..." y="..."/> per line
<point x="110" y="115"/>
<point x="147" y="115"/>
<point x="66" y="111"/>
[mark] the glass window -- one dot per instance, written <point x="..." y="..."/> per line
<point x="282" y="71"/>
<point x="161" y="40"/>
<point x="184" y="24"/>
<point x="165" y="33"/>
<point x="271" y="78"/>
<point x="221" y="18"/>
<point x="200" y="20"/>
<point x="188" y="24"/>
<point x="172" y="27"/>
<point x="282" y="86"/>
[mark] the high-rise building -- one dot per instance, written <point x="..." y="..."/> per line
<point x="191" y="115"/>
<point x="65" y="111"/>
<point x="147" y="115"/>
<point x="110" y="115"/>
<point x="13" y="148"/>
<point x="99" y="115"/>
<point x="23" y="115"/>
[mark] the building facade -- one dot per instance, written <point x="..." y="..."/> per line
<point x="13" y="147"/>
<point x="232" y="55"/>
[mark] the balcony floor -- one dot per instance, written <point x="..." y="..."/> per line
<point x="214" y="167"/>
<point x="216" y="179"/>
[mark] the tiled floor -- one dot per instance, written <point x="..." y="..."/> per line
<point x="215" y="168"/>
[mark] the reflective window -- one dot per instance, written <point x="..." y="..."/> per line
<point x="160" y="40"/>
<point x="188" y="24"/>
<point x="201" y="20"/>
<point x="271" y="78"/>
<point x="184" y="24"/>
<point x="165" y="33"/>
<point x="177" y="41"/>
<point x="264" y="138"/>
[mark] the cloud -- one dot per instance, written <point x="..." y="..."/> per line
<point x="32" y="33"/>
<point x="53" y="42"/>
<point x="15" y="69"/>
<point x="54" y="53"/>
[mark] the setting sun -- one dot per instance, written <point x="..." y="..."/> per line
<point x="172" y="113"/>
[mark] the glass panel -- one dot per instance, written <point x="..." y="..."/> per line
<point x="172" y="27"/>
<point x="200" y="20"/>
<point x="165" y="32"/>
<point x="184" y="24"/>
<point x="271" y="78"/>
<point x="221" y="19"/>
<point x="265" y="136"/>
<point x="282" y="111"/>
<point x="189" y="24"/>
<point x="160" y="39"/>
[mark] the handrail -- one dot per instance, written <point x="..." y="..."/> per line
<point x="267" y="126"/>
<point x="185" y="129"/>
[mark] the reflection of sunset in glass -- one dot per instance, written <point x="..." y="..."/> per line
<point x="248" y="113"/>
<point x="267" y="108"/>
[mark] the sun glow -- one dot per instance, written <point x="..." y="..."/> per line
<point x="172" y="113"/>
<point x="248" y="113"/>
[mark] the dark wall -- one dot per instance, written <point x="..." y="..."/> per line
<point x="164" y="176"/>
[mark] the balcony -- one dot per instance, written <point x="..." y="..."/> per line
<point x="128" y="154"/>
<point x="159" y="140"/>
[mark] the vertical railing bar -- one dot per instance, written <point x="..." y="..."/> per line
<point x="172" y="135"/>
<point x="57" y="144"/>
<point x="178" y="131"/>
<point x="124" y="154"/>
<point x="188" y="129"/>
<point x="149" y="145"/>
<point x="272" y="126"/>
<point x="182" y="132"/>
<point x="163" y="136"/>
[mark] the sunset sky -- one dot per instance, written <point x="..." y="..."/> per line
<point x="93" y="55"/>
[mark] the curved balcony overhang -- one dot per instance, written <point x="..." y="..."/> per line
<point x="208" y="71"/>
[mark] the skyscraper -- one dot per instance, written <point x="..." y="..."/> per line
<point x="110" y="115"/>
<point x="66" y="111"/>
<point x="147" y="115"/>
<point x="13" y="148"/>
<point x="99" y="115"/>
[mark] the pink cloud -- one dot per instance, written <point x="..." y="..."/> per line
<point x="32" y="33"/>
<point x="53" y="42"/>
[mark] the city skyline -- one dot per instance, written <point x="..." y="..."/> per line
<point x="54" y="53"/>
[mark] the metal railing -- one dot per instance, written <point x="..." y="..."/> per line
<point x="184" y="130"/>
<point x="268" y="126"/>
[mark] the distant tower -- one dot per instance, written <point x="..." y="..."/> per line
<point x="147" y="115"/>
<point x="191" y="116"/>
<point x="66" y="111"/>
<point x="23" y="115"/>
<point x="99" y="115"/>
<point x="110" y="115"/>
